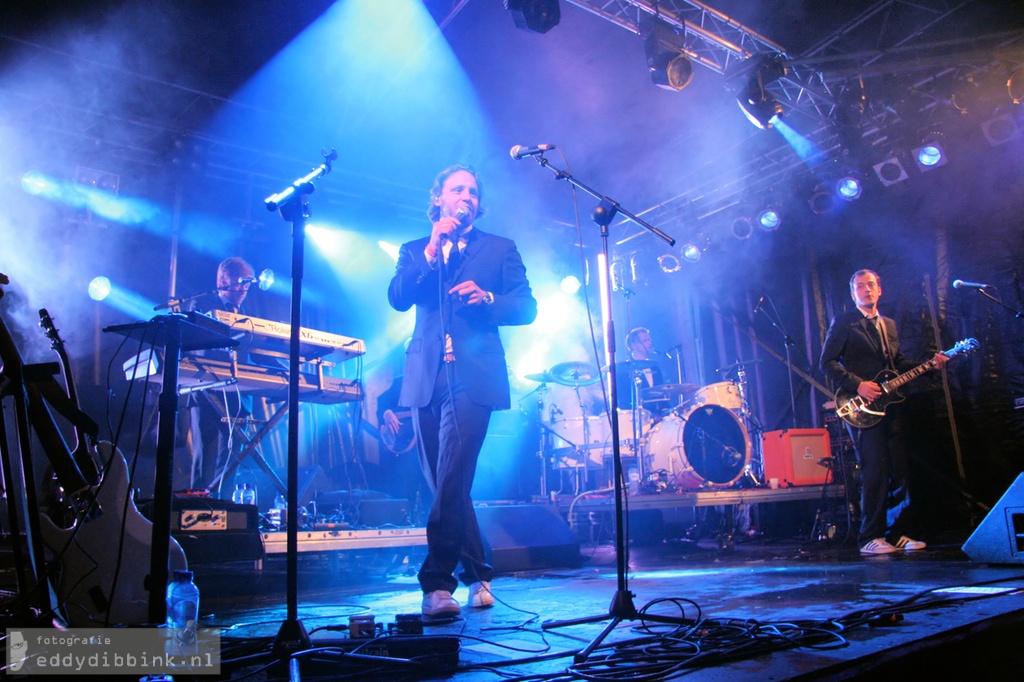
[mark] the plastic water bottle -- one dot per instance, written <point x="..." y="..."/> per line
<point x="236" y="496"/>
<point x="248" y="494"/>
<point x="279" y="514"/>
<point x="182" y="601"/>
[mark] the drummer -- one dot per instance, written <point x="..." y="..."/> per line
<point x="642" y="369"/>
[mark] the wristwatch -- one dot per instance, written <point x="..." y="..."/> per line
<point x="488" y="298"/>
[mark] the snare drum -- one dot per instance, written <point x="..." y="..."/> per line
<point x="707" y="447"/>
<point x="724" y="393"/>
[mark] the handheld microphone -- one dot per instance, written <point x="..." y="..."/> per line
<point x="460" y="216"/>
<point x="959" y="283"/>
<point x="520" y="151"/>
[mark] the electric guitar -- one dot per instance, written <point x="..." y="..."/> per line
<point x="104" y="556"/>
<point x="856" y="411"/>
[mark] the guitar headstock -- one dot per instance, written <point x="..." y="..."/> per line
<point x="46" y="322"/>
<point x="963" y="347"/>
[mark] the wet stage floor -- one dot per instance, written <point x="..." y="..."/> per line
<point x="753" y="609"/>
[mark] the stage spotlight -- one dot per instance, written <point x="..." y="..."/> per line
<point x="691" y="252"/>
<point x="890" y="171"/>
<point x="742" y="227"/>
<point x="1015" y="86"/>
<point x="849" y="187"/>
<point x="99" y="288"/>
<point x="665" y="51"/>
<point x="1000" y="130"/>
<point x="756" y="103"/>
<point x="930" y="154"/>
<point x="822" y="200"/>
<point x="570" y="284"/>
<point x="539" y="16"/>
<point x="669" y="263"/>
<point x="769" y="218"/>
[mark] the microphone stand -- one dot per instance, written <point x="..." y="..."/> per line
<point x="789" y="343"/>
<point x="1018" y="314"/>
<point x="176" y="302"/>
<point x="622" y="606"/>
<point x="291" y="202"/>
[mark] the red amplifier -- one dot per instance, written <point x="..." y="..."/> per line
<point x="797" y="456"/>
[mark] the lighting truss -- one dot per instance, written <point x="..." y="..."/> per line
<point x="818" y="82"/>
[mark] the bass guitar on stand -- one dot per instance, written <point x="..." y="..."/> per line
<point x="856" y="411"/>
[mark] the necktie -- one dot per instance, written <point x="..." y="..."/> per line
<point x="877" y="323"/>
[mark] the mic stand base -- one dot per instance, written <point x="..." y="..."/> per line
<point x="622" y="608"/>
<point x="290" y="639"/>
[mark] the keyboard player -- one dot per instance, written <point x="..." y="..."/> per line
<point x="208" y="435"/>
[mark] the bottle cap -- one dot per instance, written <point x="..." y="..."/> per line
<point x="183" y="575"/>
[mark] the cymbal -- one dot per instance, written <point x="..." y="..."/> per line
<point x="668" y="391"/>
<point x="574" y="374"/>
<point x="542" y="377"/>
<point x="738" y="363"/>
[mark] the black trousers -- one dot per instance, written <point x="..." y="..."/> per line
<point x="451" y="431"/>
<point x="885" y="498"/>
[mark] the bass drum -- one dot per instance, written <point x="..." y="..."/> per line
<point x="707" y="447"/>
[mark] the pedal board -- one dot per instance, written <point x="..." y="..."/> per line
<point x="436" y="655"/>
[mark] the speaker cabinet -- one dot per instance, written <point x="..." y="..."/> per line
<point x="525" y="537"/>
<point x="999" y="538"/>
<point x="793" y="456"/>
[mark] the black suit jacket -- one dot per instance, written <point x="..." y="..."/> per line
<point x="495" y="265"/>
<point x="853" y="353"/>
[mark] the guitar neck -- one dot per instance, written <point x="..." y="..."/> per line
<point x="896" y="382"/>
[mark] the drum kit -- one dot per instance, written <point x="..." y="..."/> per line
<point x="672" y="437"/>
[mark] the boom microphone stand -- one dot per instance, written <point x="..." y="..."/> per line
<point x="789" y="343"/>
<point x="291" y="202"/>
<point x="622" y="607"/>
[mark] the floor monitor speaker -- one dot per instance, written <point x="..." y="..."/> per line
<point x="999" y="538"/>
<point x="526" y="537"/>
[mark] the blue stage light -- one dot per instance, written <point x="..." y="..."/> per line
<point x="849" y="188"/>
<point x="769" y="219"/>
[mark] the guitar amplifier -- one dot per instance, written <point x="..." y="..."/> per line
<point x="213" y="531"/>
<point x="797" y="456"/>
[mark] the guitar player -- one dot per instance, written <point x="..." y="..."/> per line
<point x="861" y="344"/>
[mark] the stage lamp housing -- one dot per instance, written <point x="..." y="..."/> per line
<point x="930" y="155"/>
<point x="770" y="218"/>
<point x="756" y="103"/>
<point x="849" y="187"/>
<point x="665" y="51"/>
<point x="537" y="16"/>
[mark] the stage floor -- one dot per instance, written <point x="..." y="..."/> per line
<point x="751" y="609"/>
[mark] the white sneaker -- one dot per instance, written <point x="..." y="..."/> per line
<point x="910" y="545"/>
<point x="480" y="596"/>
<point x="879" y="546"/>
<point x="440" y="604"/>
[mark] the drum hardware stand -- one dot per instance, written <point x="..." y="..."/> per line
<point x="622" y="606"/>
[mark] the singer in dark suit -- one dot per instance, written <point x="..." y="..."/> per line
<point x="464" y="283"/>
<point x="860" y="344"/>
